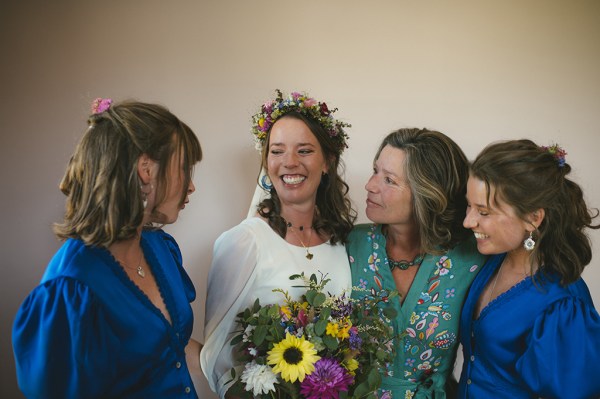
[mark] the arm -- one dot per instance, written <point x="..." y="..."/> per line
<point x="230" y="283"/>
<point x="192" y="357"/>
<point x="562" y="351"/>
<point x="63" y="347"/>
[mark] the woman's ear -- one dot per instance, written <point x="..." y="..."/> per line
<point x="147" y="168"/>
<point x="536" y="218"/>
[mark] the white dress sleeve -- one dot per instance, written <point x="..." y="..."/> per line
<point x="230" y="278"/>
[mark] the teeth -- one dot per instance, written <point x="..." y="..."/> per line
<point x="480" y="235"/>
<point x="287" y="179"/>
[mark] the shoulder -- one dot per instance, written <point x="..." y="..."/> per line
<point x="466" y="252"/>
<point x="160" y="239"/>
<point x="362" y="232"/>
<point x="250" y="231"/>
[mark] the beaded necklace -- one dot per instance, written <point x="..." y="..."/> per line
<point x="405" y="264"/>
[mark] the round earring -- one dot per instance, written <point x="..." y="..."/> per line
<point x="529" y="243"/>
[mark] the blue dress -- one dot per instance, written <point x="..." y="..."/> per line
<point x="87" y="331"/>
<point x="534" y="340"/>
<point x="427" y="322"/>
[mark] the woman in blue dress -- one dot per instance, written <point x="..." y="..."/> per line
<point x="111" y="317"/>
<point x="417" y="246"/>
<point x="529" y="328"/>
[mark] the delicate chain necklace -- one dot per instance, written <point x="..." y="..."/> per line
<point x="489" y="295"/>
<point x="309" y="255"/>
<point x="405" y="264"/>
<point x="140" y="271"/>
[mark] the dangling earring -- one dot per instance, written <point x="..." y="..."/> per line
<point x="144" y="197"/>
<point x="529" y="243"/>
<point x="266" y="183"/>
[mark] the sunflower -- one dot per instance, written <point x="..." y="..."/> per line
<point x="293" y="357"/>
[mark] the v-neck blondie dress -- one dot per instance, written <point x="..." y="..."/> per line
<point x="427" y="321"/>
<point x="249" y="261"/>
<point x="534" y="340"/>
<point x="87" y="331"/>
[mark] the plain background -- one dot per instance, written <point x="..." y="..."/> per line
<point x="479" y="71"/>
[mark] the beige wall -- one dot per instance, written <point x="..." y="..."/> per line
<point x="477" y="70"/>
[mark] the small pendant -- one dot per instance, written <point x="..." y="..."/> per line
<point x="141" y="272"/>
<point x="309" y="256"/>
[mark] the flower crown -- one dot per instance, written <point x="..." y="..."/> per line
<point x="301" y="103"/>
<point x="100" y="105"/>
<point x="557" y="152"/>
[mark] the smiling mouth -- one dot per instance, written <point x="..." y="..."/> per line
<point x="480" y="236"/>
<point x="371" y="203"/>
<point x="293" y="179"/>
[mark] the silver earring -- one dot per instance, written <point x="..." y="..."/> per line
<point x="144" y="196"/>
<point x="529" y="243"/>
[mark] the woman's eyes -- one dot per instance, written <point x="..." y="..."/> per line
<point x="479" y="211"/>
<point x="302" y="151"/>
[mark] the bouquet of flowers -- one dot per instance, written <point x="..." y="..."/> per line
<point x="320" y="346"/>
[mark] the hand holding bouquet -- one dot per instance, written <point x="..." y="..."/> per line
<point x="320" y="346"/>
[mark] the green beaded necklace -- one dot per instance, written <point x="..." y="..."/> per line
<point x="405" y="264"/>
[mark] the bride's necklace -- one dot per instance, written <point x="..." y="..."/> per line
<point x="139" y="269"/>
<point x="309" y="255"/>
<point x="405" y="264"/>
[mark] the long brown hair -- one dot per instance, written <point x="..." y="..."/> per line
<point x="528" y="177"/>
<point x="334" y="213"/>
<point x="104" y="201"/>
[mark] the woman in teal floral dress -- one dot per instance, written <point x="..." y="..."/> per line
<point x="417" y="246"/>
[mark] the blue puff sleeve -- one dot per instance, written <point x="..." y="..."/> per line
<point x="190" y="290"/>
<point x="61" y="340"/>
<point x="563" y="350"/>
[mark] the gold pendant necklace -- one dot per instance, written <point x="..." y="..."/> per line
<point x="139" y="269"/>
<point x="308" y="255"/>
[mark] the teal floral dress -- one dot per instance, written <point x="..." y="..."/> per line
<point x="426" y="327"/>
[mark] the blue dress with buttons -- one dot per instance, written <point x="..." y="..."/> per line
<point x="535" y="340"/>
<point x="87" y="331"/>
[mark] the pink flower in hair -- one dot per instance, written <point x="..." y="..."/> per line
<point x="309" y="102"/>
<point x="100" y="105"/>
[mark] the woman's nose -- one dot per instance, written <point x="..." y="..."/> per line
<point x="371" y="186"/>
<point x="290" y="160"/>
<point x="470" y="221"/>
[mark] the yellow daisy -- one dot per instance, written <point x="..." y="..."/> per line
<point x="293" y="357"/>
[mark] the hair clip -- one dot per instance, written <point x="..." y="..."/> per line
<point x="557" y="152"/>
<point x="100" y="105"/>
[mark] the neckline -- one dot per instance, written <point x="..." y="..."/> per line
<point x="159" y="277"/>
<point x="265" y="224"/>
<point x="421" y="275"/>
<point x="503" y="296"/>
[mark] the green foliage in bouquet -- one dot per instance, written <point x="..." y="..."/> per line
<point x="318" y="347"/>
